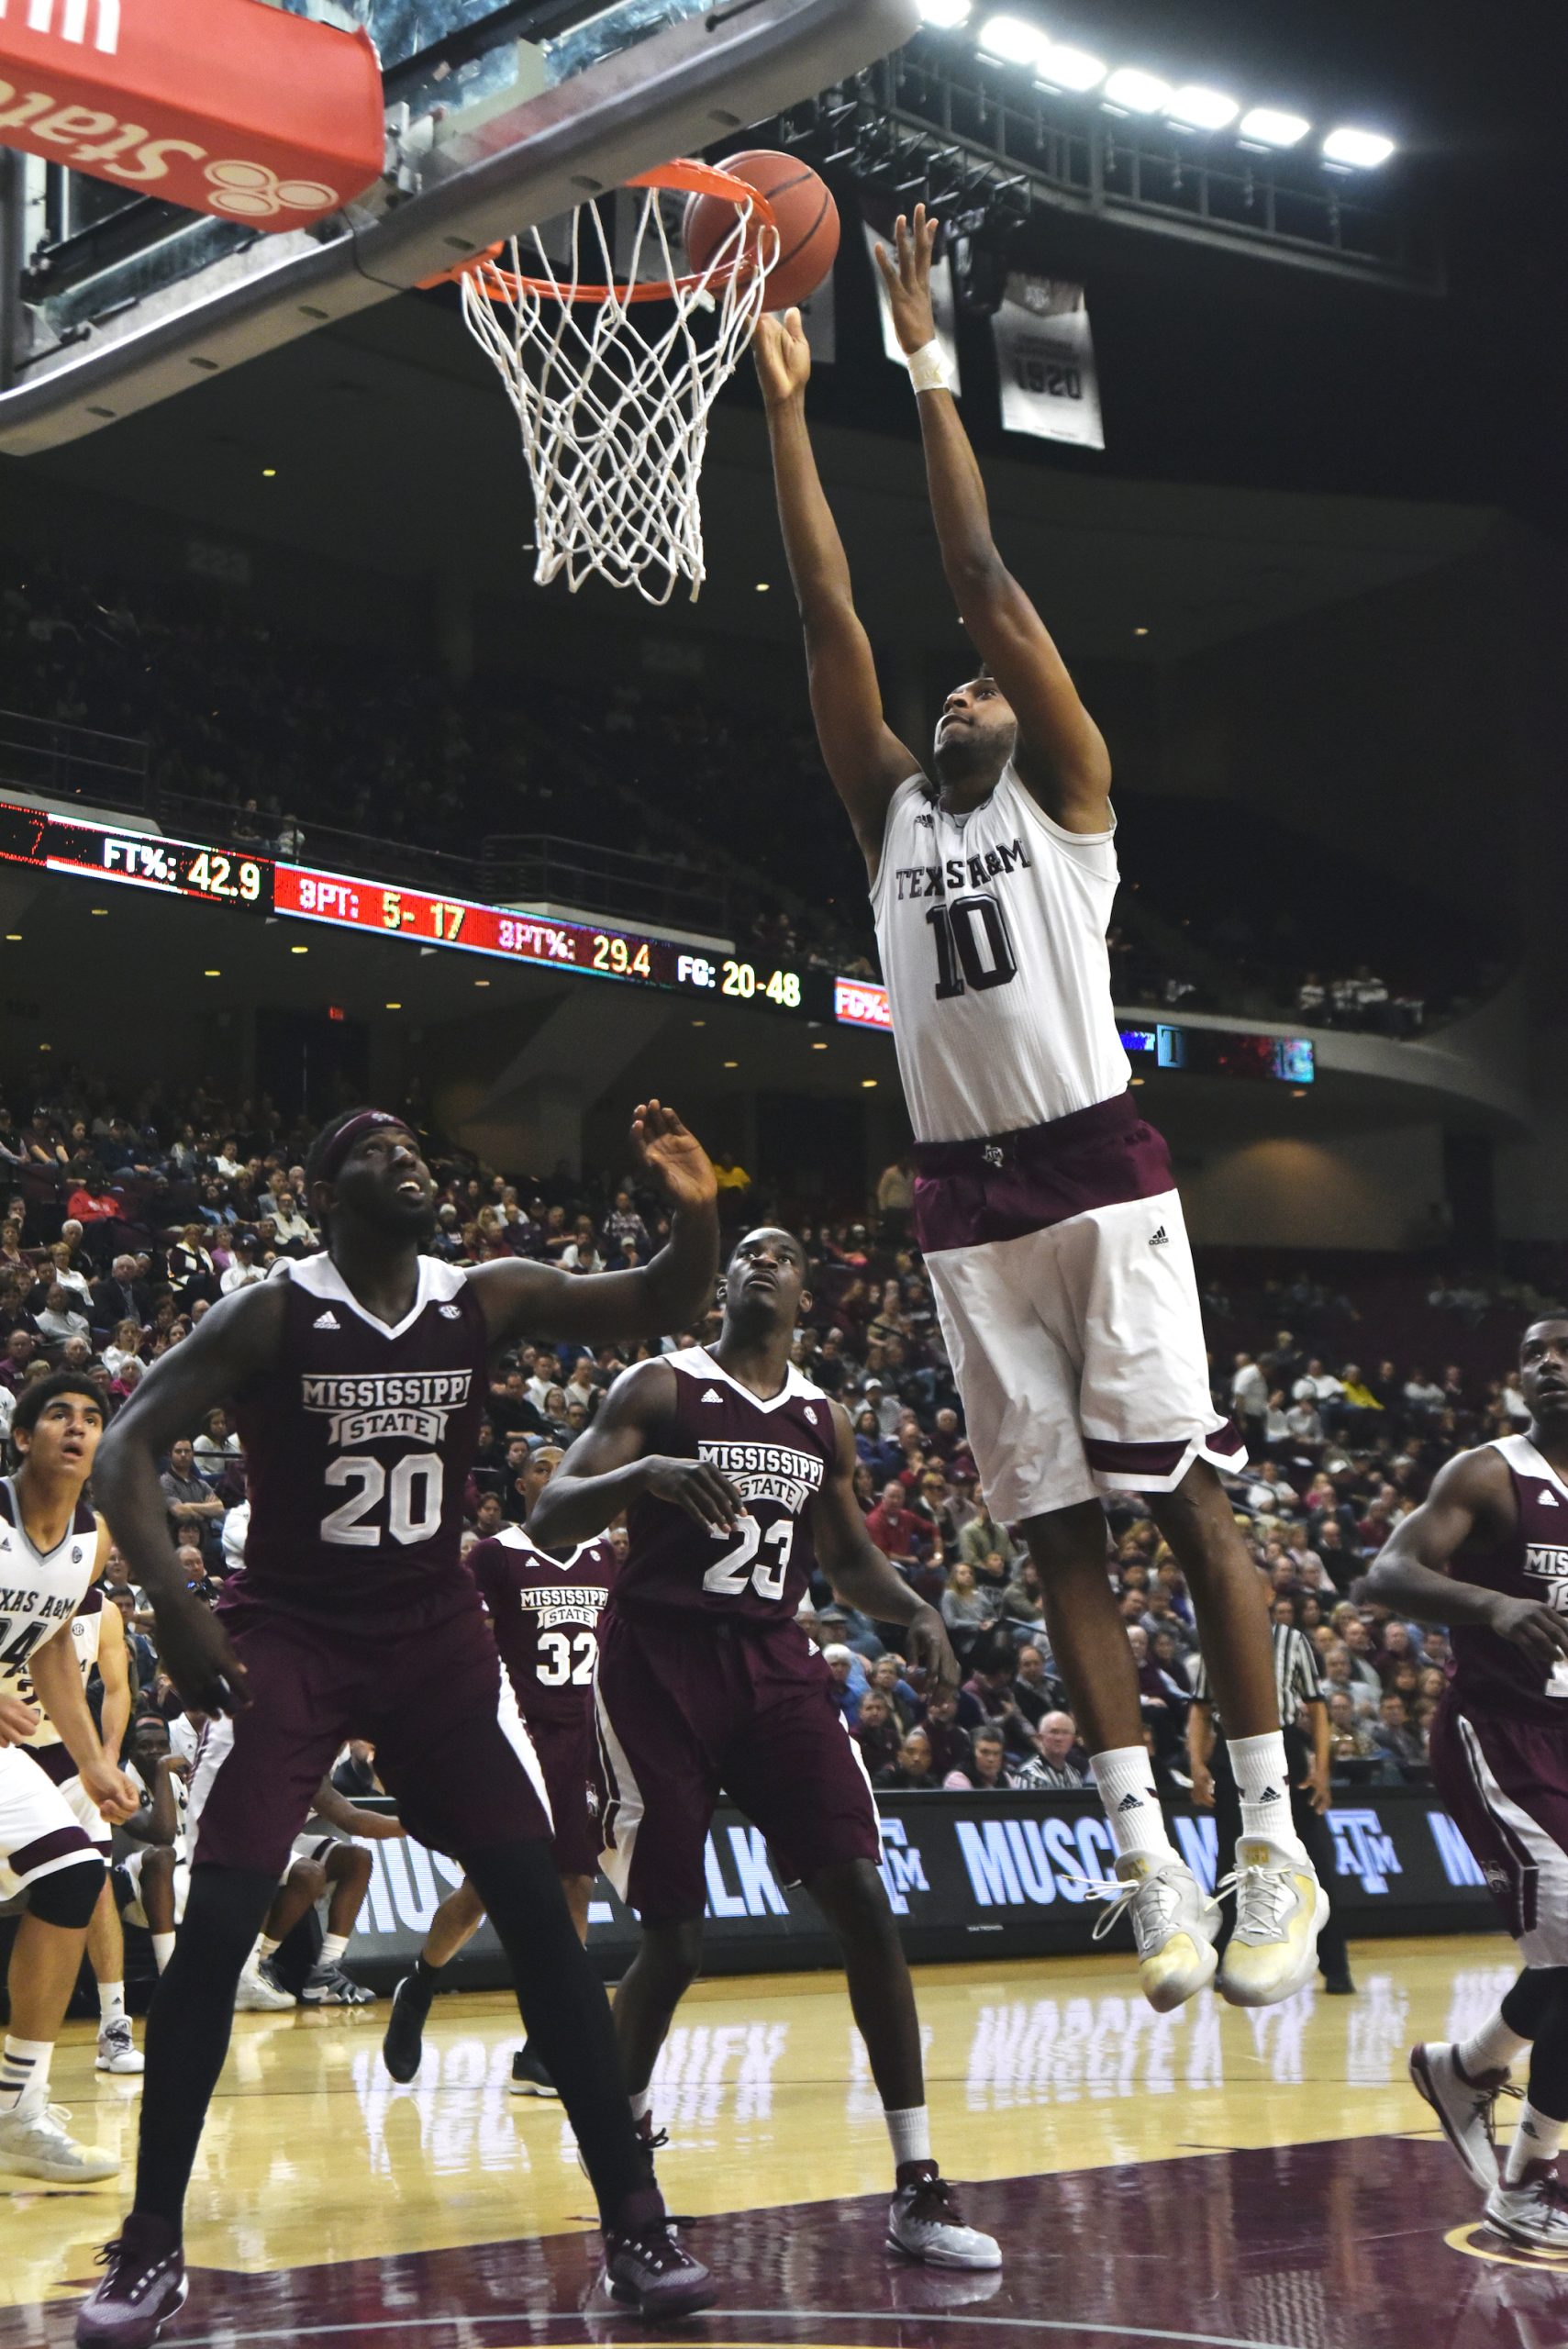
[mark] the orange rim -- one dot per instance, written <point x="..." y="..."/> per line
<point x="500" y="284"/>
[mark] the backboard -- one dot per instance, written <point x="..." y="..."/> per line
<point x="500" y="114"/>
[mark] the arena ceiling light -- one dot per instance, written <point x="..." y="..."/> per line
<point x="1136" y="91"/>
<point x="944" y="14"/>
<point x="1194" y="106"/>
<point x="1271" y="127"/>
<point x="1065" y="68"/>
<point x="1012" y="40"/>
<point x="1363" y="150"/>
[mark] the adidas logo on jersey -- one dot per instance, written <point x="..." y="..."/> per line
<point x="328" y="1320"/>
<point x="1548" y="1500"/>
<point x="451" y="1312"/>
<point x="712" y="1396"/>
<point x="1162" y="1239"/>
<point x="811" y="1413"/>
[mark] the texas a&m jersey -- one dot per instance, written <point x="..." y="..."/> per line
<point x="777" y="1454"/>
<point x="39" y="1591"/>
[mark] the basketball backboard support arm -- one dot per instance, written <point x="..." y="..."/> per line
<point x="452" y="188"/>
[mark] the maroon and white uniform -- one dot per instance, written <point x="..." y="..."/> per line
<point x="1499" y="1740"/>
<point x="545" y="1612"/>
<point x="707" y="1681"/>
<point x="354" y="1615"/>
<point x="1045" y="1204"/>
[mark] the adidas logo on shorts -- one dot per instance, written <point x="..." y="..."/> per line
<point x="1162" y="1239"/>
<point x="328" y="1320"/>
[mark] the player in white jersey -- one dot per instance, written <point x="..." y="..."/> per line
<point x="1044" y="1204"/>
<point x="51" y="1550"/>
<point x="98" y="1640"/>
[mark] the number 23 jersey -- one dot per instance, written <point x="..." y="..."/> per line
<point x="991" y="934"/>
<point x="546" y="1615"/>
<point x="357" y="1443"/>
<point x="777" y="1454"/>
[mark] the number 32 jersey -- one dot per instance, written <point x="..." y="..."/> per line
<point x="777" y="1454"/>
<point x="357" y="1443"/>
<point x="992" y="932"/>
<point x="546" y="1615"/>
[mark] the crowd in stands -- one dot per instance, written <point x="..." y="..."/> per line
<point x="248" y="725"/>
<point x="125" y="1220"/>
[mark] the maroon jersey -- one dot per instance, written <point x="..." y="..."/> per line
<point x="777" y="1455"/>
<point x="1490" y="1674"/>
<point x="357" y="1442"/>
<point x="546" y="1613"/>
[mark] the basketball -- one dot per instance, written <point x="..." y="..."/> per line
<point x="803" y="208"/>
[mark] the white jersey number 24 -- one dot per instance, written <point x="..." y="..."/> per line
<point x="727" y="1576"/>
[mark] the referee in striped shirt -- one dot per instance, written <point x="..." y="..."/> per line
<point x="1298" y="1684"/>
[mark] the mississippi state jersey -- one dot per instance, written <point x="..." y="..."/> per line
<point x="992" y="932"/>
<point x="357" y="1442"/>
<point x="1490" y="1672"/>
<point x="38" y="1590"/>
<point x="546" y="1613"/>
<point x="777" y="1455"/>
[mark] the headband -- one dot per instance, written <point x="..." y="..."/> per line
<point x="368" y="1122"/>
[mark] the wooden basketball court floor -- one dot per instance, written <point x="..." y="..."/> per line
<point x="1262" y="2181"/>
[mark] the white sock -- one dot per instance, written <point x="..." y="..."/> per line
<point x="639" y="2103"/>
<point x="1536" y="2139"/>
<point x="163" y="1950"/>
<point x="332" y="1948"/>
<point x="111" y="2004"/>
<point x="1125" y="1777"/>
<point x="264" y="1948"/>
<point x="1490" y="2048"/>
<point x="910" y="2132"/>
<point x="24" y="2074"/>
<point x="1262" y="1781"/>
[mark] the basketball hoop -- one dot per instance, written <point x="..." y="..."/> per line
<point x="613" y="379"/>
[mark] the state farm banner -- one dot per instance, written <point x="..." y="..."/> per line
<point x="221" y="106"/>
<point x="943" y="308"/>
<point x="1045" y="358"/>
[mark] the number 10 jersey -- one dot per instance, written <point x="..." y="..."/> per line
<point x="777" y="1452"/>
<point x="992" y="932"/>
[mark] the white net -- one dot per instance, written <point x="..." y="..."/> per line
<point x="613" y="393"/>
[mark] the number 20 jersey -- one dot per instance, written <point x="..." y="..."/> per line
<point x="356" y="1444"/>
<point x="545" y="1612"/>
<point x="777" y="1454"/>
<point x="991" y="934"/>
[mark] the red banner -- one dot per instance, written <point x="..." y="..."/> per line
<point x="227" y="106"/>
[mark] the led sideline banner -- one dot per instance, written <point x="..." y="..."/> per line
<point x="968" y="1876"/>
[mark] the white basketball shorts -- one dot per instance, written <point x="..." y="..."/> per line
<point x="41" y="1833"/>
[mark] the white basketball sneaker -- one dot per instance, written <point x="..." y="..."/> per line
<point x="1533" y="2211"/>
<point x="1173" y="1925"/>
<point x="925" y="2222"/>
<point x="38" y="2144"/>
<point x="118" y="2051"/>
<point x="258" y="1991"/>
<point x="1281" y="1908"/>
<point x="1467" y="2108"/>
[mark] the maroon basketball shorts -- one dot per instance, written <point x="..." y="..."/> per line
<point x="426" y="1694"/>
<point x="1504" y="1781"/>
<point x="567" y="1756"/>
<point x="690" y="1705"/>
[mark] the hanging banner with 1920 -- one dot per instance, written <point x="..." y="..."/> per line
<point x="1045" y="358"/>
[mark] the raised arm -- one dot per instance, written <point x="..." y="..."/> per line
<point x="1062" y="757"/>
<point x="865" y="757"/>
<point x="526" y="1299"/>
<point x="226" y="1348"/>
<point x="860" y="1573"/>
<point x="614" y="1461"/>
<point x="1471" y="1500"/>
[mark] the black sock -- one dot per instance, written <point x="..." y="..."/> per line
<point x="188" y="2028"/>
<point x="427" y="1975"/>
<point x="1549" y="2058"/>
<point x="567" y="2018"/>
<point x="1532" y="1997"/>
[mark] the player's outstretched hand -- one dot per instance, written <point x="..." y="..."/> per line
<point x="18" y="1720"/>
<point x="930" y="1647"/>
<point x="661" y="1143"/>
<point x="693" y="1486"/>
<point x="198" y="1656"/>
<point x="782" y="357"/>
<point x="1540" y="1631"/>
<point x="906" y="275"/>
